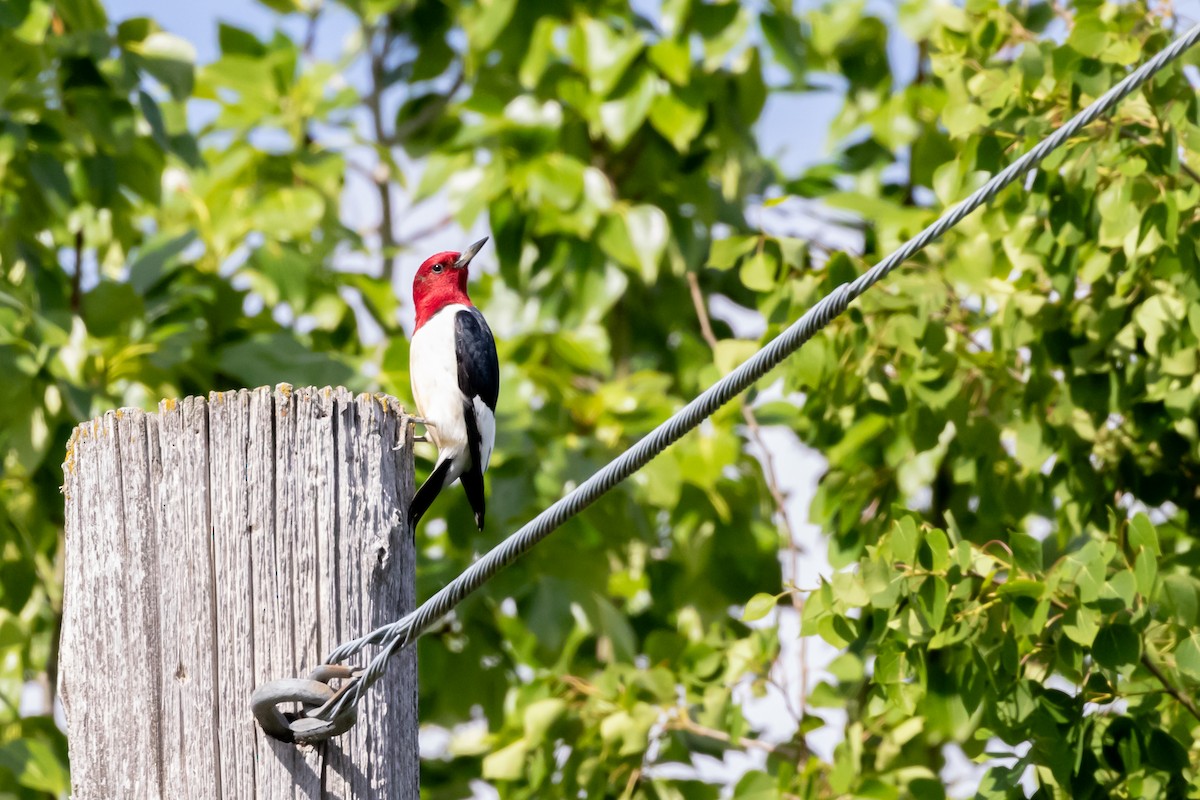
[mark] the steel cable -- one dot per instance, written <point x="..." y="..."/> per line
<point x="400" y="634"/>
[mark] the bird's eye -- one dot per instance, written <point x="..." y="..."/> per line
<point x="437" y="268"/>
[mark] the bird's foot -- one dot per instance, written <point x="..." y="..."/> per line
<point x="423" y="437"/>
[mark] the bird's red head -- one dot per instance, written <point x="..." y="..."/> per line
<point x="442" y="280"/>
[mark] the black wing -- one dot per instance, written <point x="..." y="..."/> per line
<point x="478" y="367"/>
<point x="478" y="376"/>
<point x="426" y="494"/>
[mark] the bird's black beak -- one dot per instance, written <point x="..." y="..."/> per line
<point x="465" y="257"/>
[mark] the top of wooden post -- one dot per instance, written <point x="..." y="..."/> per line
<point x="217" y="544"/>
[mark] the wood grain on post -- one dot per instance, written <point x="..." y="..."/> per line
<point x="217" y="545"/>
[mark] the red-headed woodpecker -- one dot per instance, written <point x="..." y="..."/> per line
<point x="455" y="379"/>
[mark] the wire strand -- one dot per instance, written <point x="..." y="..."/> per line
<point x="398" y="635"/>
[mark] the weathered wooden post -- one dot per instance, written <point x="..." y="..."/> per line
<point x="219" y="544"/>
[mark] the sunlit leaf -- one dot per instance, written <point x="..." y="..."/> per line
<point x="758" y="607"/>
<point x="171" y="59"/>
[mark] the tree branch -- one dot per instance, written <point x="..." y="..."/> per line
<point x="428" y="113"/>
<point x="752" y="425"/>
<point x="378" y="44"/>
<point x="382" y="177"/>
<point x="680" y="721"/>
<point x="428" y="230"/>
<point x="1170" y="689"/>
<point x="77" y="278"/>
<point x="310" y="33"/>
<point x="1191" y="173"/>
<point x="770" y="476"/>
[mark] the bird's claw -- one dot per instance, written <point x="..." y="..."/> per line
<point x="422" y="437"/>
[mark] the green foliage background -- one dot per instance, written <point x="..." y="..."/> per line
<point x="1010" y="422"/>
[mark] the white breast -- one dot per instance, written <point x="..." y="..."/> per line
<point x="433" y="364"/>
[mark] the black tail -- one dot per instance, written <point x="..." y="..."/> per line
<point x="425" y="495"/>
<point x="472" y="481"/>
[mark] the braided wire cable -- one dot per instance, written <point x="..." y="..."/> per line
<point x="398" y="635"/>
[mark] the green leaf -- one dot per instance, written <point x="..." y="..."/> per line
<point x="837" y="630"/>
<point x="156" y="258"/>
<point x="846" y="668"/>
<point x="1122" y="586"/>
<point x="1117" y="646"/>
<point x="905" y="538"/>
<point x="729" y="354"/>
<point x="1027" y="552"/>
<point x="35" y="766"/>
<point x="722" y="26"/>
<point x="1091" y="569"/>
<point x="849" y="590"/>
<point x="859" y="435"/>
<point x="756" y="785"/>
<point x="51" y="179"/>
<point x="621" y="117"/>
<point x="289" y="213"/>
<point x="674" y="16"/>
<point x="672" y="60"/>
<point x="782" y="32"/>
<point x="725" y="253"/>
<point x="82" y="15"/>
<point x="607" y="54"/>
<point x="824" y="695"/>
<point x="759" y="606"/>
<point x="939" y="550"/>
<point x="628" y="731"/>
<point x="1187" y="657"/>
<point x="282" y="6"/>
<point x="540" y="53"/>
<point x="1179" y="596"/>
<point x="492" y="18"/>
<point x="170" y="59"/>
<point x="439" y="169"/>
<point x="1080" y="625"/>
<point x="1145" y="569"/>
<point x="645" y="230"/>
<point x="109" y="307"/>
<point x="36" y="24"/>
<point x="613" y="626"/>
<point x="1022" y="588"/>
<point x="679" y="116"/>
<point x="154" y="118"/>
<point x="540" y="716"/>
<point x="557" y="181"/>
<point x="932" y="600"/>
<point x="1143" y="534"/>
<point x="278" y="358"/>
<point x="239" y="41"/>
<point x="759" y="272"/>
<point x="507" y="763"/>
<point x="883" y="585"/>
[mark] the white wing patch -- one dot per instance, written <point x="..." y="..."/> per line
<point x="486" y="421"/>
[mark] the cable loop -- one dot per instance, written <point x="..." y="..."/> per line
<point x="313" y="693"/>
